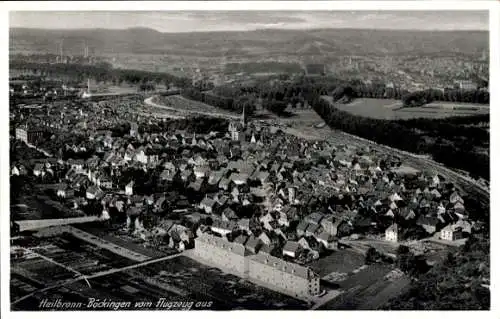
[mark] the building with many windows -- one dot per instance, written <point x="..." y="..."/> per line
<point x="262" y="268"/>
<point x="275" y="273"/>
<point x="228" y="255"/>
<point x="27" y="134"/>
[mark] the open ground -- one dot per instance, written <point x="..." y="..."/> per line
<point x="393" y="110"/>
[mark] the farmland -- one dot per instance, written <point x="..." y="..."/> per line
<point x="179" y="279"/>
<point x="63" y="257"/>
<point x="392" y="109"/>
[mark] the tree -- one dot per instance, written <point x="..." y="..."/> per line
<point x="371" y="256"/>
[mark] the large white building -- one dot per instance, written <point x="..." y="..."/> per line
<point x="264" y="269"/>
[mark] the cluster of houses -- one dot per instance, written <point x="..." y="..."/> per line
<point x="256" y="194"/>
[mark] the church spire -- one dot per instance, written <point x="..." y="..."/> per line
<point x="243" y="116"/>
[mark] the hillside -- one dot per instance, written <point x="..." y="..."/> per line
<point x="269" y="41"/>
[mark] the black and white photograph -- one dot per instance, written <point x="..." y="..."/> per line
<point x="283" y="159"/>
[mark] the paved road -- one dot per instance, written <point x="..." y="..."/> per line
<point x="96" y="275"/>
<point x="149" y="102"/>
<point x="39" y="149"/>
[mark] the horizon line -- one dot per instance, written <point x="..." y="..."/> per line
<point x="253" y="30"/>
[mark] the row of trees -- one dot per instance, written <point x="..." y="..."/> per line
<point x="101" y="72"/>
<point x="276" y="94"/>
<point x="459" y="283"/>
<point x="229" y="103"/>
<point x="357" y="89"/>
<point x="455" y="95"/>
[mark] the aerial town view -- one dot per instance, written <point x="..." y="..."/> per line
<point x="258" y="160"/>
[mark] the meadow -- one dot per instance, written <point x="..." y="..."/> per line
<point x="392" y="109"/>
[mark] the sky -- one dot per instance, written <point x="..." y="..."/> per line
<point x="195" y="21"/>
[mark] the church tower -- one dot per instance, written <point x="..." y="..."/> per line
<point x="243" y="116"/>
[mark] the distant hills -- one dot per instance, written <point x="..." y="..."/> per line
<point x="265" y="41"/>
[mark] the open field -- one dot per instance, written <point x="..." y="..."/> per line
<point x="342" y="261"/>
<point x="40" y="207"/>
<point x="178" y="279"/>
<point x="224" y="289"/>
<point x="64" y="258"/>
<point x="123" y="241"/>
<point x="361" y="286"/>
<point x="391" y="109"/>
<point x="366" y="288"/>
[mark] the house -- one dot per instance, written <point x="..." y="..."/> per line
<point x="239" y="178"/>
<point x="280" y="233"/>
<point x="38" y="169"/>
<point x="208" y="205"/>
<point x="76" y="164"/>
<point x="283" y="219"/>
<point x="244" y="224"/>
<point x="312" y="229"/>
<point x="187" y="175"/>
<point x="14" y="171"/>
<point x="394" y="233"/>
<point x="229" y="214"/>
<point x="129" y="188"/>
<point x="264" y="238"/>
<point x="459" y="207"/>
<point x="407" y="213"/>
<point x="455" y="198"/>
<point x="271" y="225"/>
<point x="304" y="244"/>
<point x="236" y="130"/>
<point x="430" y="224"/>
<point x="196" y="185"/>
<point x="224" y="184"/>
<point x="465" y="225"/>
<point x="314" y="218"/>
<point x="215" y="177"/>
<point x="105" y="182"/>
<point x="168" y="175"/>
<point x="253" y="244"/>
<point x="436" y="194"/>
<point x="165" y="225"/>
<point x="452" y="232"/>
<point x="301" y="228"/>
<point x="395" y="197"/>
<point x="140" y="156"/>
<point x="222" y="227"/>
<point x="327" y="240"/>
<point x="266" y="218"/>
<point x="22" y="170"/>
<point x="262" y="176"/>
<point x="330" y="224"/>
<point x="62" y="190"/>
<point x="241" y="240"/>
<point x="93" y="192"/>
<point x="291" y="249"/>
<point x="201" y="171"/>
